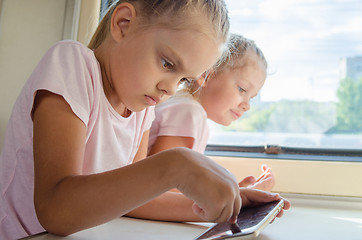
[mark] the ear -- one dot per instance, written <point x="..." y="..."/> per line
<point x="122" y="18"/>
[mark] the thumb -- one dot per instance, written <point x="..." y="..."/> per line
<point x="247" y="181"/>
<point x="255" y="197"/>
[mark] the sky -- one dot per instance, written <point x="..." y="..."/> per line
<point x="303" y="41"/>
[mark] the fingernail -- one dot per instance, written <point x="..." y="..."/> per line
<point x="235" y="228"/>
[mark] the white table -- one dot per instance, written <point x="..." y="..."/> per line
<point x="311" y="217"/>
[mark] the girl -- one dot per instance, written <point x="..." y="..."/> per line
<point x="222" y="95"/>
<point x="84" y="114"/>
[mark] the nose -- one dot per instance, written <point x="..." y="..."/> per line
<point x="168" y="86"/>
<point x="245" y="104"/>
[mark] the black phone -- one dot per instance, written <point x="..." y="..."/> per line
<point x="251" y="221"/>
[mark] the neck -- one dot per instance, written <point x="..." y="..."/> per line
<point x="109" y="91"/>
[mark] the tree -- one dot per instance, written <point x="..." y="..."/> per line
<point x="349" y="107"/>
<point x="254" y="121"/>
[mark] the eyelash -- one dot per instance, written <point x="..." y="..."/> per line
<point x="167" y="65"/>
<point x="185" y="80"/>
<point x="241" y="89"/>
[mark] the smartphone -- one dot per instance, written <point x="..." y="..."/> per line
<point x="251" y="221"/>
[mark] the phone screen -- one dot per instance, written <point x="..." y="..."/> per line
<point x="250" y="220"/>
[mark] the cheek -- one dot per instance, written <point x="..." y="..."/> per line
<point x="142" y="75"/>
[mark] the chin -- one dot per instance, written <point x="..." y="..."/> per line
<point x="137" y="108"/>
<point x="224" y="123"/>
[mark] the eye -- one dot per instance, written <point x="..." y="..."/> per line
<point x="167" y="65"/>
<point x="241" y="90"/>
<point x="185" y="80"/>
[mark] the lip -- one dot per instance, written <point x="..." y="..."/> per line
<point x="152" y="100"/>
<point x="236" y="114"/>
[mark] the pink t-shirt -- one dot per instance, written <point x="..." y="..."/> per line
<point x="72" y="71"/>
<point x="181" y="116"/>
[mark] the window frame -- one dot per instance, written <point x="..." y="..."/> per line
<point x="280" y="152"/>
<point x="327" y="178"/>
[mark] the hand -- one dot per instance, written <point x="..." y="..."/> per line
<point x="213" y="189"/>
<point x="253" y="197"/>
<point x="265" y="181"/>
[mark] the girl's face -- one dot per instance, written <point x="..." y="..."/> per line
<point x="148" y="64"/>
<point x="226" y="95"/>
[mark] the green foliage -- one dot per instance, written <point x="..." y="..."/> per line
<point x="349" y="107"/>
<point x="302" y="116"/>
<point x="287" y="116"/>
<point x="255" y="120"/>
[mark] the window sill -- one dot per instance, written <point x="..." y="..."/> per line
<point x="331" y="178"/>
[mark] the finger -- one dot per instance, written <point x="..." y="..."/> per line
<point x="226" y="214"/>
<point x="247" y="181"/>
<point x="237" y="207"/>
<point x="267" y="175"/>
<point x="231" y="211"/>
<point x="287" y="204"/>
<point x="254" y="196"/>
<point x="263" y="176"/>
<point x="265" y="168"/>
<point x="280" y="214"/>
<point x="233" y="219"/>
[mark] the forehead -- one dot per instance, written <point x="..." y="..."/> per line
<point x="195" y="50"/>
<point x="250" y="59"/>
<point x="251" y="74"/>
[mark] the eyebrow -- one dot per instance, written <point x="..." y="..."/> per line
<point x="178" y="61"/>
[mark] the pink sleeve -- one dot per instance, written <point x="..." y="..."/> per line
<point x="185" y="120"/>
<point x="68" y="69"/>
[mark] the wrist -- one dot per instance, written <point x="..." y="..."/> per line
<point x="176" y="166"/>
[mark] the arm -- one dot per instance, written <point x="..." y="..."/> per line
<point x="170" y="206"/>
<point x="67" y="201"/>
<point x="142" y="150"/>
<point x="63" y="196"/>
<point x="167" y="142"/>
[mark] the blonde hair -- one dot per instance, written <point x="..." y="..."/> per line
<point x="237" y="47"/>
<point x="172" y="13"/>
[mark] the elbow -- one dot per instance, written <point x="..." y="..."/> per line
<point x="56" y="228"/>
<point x="55" y="223"/>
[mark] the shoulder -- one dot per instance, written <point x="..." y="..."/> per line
<point x="67" y="50"/>
<point x="180" y="109"/>
<point x="70" y="61"/>
<point x="70" y="45"/>
<point x="70" y="70"/>
<point x="181" y="103"/>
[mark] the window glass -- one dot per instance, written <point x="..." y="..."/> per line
<point x="312" y="97"/>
